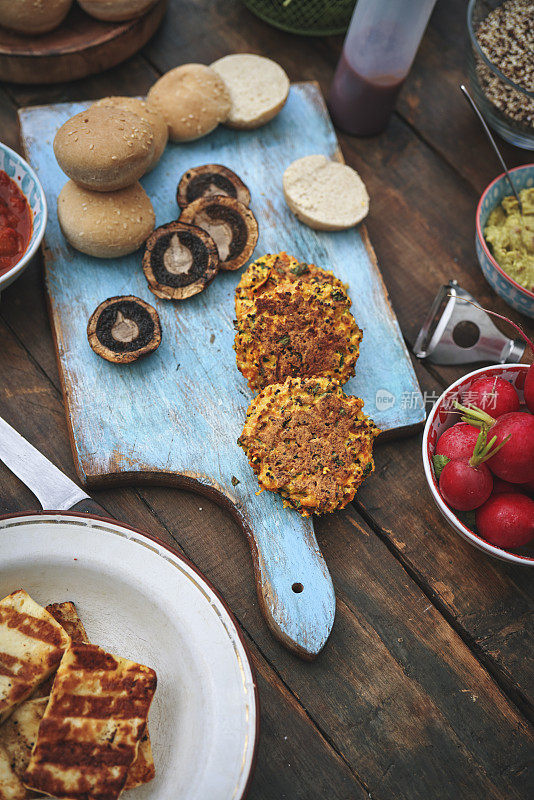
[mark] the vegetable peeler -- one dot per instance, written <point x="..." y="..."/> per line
<point x="457" y="332"/>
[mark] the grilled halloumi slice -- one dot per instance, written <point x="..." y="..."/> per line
<point x="143" y="769"/>
<point x="90" y="732"/>
<point x="11" y="788"/>
<point x="67" y="616"/>
<point x="18" y="735"/>
<point x="31" y="646"/>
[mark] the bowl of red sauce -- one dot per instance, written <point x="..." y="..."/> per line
<point x="23" y="215"/>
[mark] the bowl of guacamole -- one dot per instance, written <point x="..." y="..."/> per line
<point x="505" y="238"/>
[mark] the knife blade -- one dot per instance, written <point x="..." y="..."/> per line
<point x="51" y="486"/>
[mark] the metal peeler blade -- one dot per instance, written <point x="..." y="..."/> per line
<point x="455" y="332"/>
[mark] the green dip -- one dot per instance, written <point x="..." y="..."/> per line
<point x="511" y="237"/>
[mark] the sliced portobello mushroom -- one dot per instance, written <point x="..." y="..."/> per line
<point x="209" y="180"/>
<point x="180" y="260"/>
<point x="122" y="329"/>
<point x="231" y="225"/>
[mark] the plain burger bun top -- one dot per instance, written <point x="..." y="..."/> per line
<point x="147" y="113"/>
<point x="116" y="10"/>
<point x="104" y="149"/>
<point x="193" y="99"/>
<point x="31" y="17"/>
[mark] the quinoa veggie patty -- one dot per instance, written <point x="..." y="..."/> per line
<point x="297" y="329"/>
<point x="269" y="271"/>
<point x="310" y="442"/>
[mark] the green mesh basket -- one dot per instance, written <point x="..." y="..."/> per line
<point x="309" y="17"/>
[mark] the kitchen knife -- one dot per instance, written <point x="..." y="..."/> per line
<point x="51" y="487"/>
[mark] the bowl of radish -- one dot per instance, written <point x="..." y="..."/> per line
<point x="478" y="456"/>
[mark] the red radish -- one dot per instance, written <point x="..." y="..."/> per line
<point x="506" y="520"/>
<point x="514" y="433"/>
<point x="467" y="483"/>
<point x="458" y="441"/>
<point x="463" y="486"/>
<point x="492" y="394"/>
<point x="505" y="487"/>
<point x="528" y="389"/>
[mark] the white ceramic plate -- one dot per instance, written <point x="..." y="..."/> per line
<point x="141" y="600"/>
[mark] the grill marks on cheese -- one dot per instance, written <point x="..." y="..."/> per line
<point x="18" y="734"/>
<point x="142" y="769"/>
<point x="31" y="646"/>
<point x="90" y="732"/>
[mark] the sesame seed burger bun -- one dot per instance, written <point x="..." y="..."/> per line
<point x="104" y="149"/>
<point x="29" y="17"/>
<point x="193" y="100"/>
<point x="105" y="225"/>
<point x="149" y="114"/>
<point x="116" y="10"/>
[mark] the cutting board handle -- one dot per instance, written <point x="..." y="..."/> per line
<point x="293" y="584"/>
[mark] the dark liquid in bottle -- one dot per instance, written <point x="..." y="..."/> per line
<point x="362" y="105"/>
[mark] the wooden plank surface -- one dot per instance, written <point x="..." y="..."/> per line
<point x="483" y="606"/>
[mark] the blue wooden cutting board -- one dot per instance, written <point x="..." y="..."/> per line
<point x="175" y="416"/>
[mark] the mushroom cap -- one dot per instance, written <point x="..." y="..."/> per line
<point x="232" y="226"/>
<point x="124" y="328"/>
<point x="179" y="261"/>
<point x="209" y="180"/>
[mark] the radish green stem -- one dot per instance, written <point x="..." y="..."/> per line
<point x="484" y="450"/>
<point x="476" y="415"/>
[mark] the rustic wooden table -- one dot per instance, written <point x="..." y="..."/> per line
<point x="425" y="686"/>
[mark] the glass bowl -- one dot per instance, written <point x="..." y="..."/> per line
<point x="507" y="106"/>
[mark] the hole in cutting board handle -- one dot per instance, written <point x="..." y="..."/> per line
<point x="298" y="588"/>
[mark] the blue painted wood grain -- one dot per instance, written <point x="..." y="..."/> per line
<point x="180" y="411"/>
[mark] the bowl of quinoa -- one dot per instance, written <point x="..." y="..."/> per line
<point x="501" y="66"/>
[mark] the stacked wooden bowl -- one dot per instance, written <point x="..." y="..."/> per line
<point x="81" y="45"/>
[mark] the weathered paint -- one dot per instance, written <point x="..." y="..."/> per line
<point x="176" y="415"/>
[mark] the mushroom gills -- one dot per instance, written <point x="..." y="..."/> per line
<point x="221" y="233"/>
<point x="180" y="260"/>
<point x="229" y="223"/>
<point x="122" y="329"/>
<point x="210" y="180"/>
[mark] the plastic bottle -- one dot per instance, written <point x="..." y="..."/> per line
<point x="378" y="52"/>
